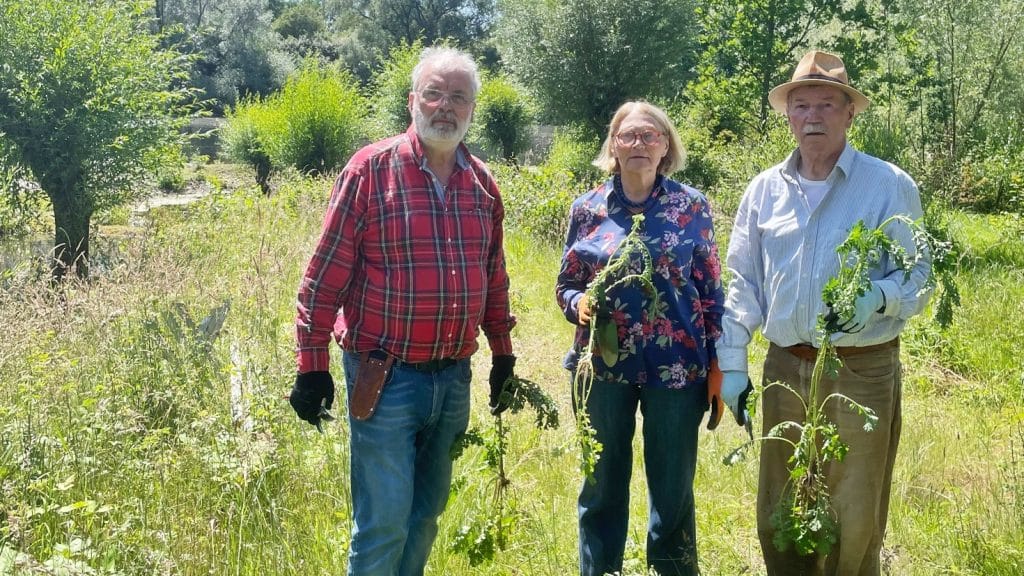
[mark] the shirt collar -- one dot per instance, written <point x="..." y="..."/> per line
<point x="844" y="163"/>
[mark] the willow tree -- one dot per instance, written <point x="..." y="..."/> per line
<point x="90" y="103"/>
<point x="583" y="58"/>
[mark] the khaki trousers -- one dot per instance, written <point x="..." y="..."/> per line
<point x="860" y="484"/>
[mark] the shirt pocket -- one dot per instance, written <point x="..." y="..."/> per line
<point x="471" y="230"/>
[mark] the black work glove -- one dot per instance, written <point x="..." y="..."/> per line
<point x="311" y="392"/>
<point x="501" y="370"/>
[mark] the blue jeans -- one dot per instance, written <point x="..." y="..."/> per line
<point x="670" y="424"/>
<point x="401" y="467"/>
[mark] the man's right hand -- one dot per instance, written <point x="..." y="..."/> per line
<point x="311" y="392"/>
<point x="734" y="382"/>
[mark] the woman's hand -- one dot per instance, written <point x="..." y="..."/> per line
<point x="583" y="309"/>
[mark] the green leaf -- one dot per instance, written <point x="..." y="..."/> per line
<point x="608" y="342"/>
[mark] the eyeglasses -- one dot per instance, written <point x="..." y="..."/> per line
<point x="458" y="100"/>
<point x="648" y="137"/>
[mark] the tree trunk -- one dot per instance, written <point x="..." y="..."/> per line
<point x="71" y="237"/>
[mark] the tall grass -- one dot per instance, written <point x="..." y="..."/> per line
<point x="137" y="439"/>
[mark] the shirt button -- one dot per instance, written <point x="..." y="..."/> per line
<point x="455" y="305"/>
<point x="453" y="272"/>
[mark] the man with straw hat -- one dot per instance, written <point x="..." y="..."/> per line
<point x="781" y="253"/>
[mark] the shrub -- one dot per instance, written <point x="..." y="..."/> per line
<point x="242" y="139"/>
<point x="321" y="120"/>
<point x="502" y="118"/>
<point x="993" y="181"/>
<point x="312" y="125"/>
<point x="537" y="199"/>
<point x="390" y="89"/>
<point x="573" y="150"/>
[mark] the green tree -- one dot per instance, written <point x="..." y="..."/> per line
<point x="373" y="27"/>
<point x="750" y="46"/>
<point x="304" y="19"/>
<point x="237" y="51"/>
<point x="502" y="117"/>
<point x="88" y="104"/>
<point x="583" y="58"/>
<point x="973" y="50"/>
<point x="390" y="87"/>
<point x="948" y="100"/>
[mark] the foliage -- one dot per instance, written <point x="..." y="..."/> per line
<point x="323" y="113"/>
<point x="723" y="164"/>
<point x="88" y="103"/>
<point x="631" y="264"/>
<point x="379" y="26"/>
<point x="390" y="88"/>
<point x="299" y="20"/>
<point x="972" y="56"/>
<point x="243" y="138"/>
<point x="946" y="99"/>
<point x="502" y="117"/>
<point x="573" y="151"/>
<point x="20" y="203"/>
<point x="536" y="199"/>
<point x="805" y="519"/>
<point x="237" y="52"/>
<point x="583" y="58"/>
<point x="312" y="125"/>
<point x="488" y="530"/>
<point x="991" y="181"/>
<point x="749" y="47"/>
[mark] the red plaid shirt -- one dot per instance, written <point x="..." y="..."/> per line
<point x="411" y="274"/>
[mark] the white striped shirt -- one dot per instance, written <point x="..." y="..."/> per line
<point x="782" y="252"/>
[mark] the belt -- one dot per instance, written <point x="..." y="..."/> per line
<point x="810" y="353"/>
<point x="430" y="366"/>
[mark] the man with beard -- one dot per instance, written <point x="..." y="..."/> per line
<point x="782" y="251"/>
<point x="409" y="266"/>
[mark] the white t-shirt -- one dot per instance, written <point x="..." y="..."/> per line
<point x="815" y="190"/>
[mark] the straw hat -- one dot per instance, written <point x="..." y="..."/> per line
<point x="821" y="69"/>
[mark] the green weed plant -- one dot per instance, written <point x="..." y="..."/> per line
<point x="487" y="529"/>
<point x="805" y="519"/>
<point x="604" y="338"/>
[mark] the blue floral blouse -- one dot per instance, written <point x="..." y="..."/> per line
<point x="672" y="349"/>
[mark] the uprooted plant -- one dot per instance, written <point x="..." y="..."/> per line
<point x="631" y="263"/>
<point x="805" y="518"/>
<point x="492" y="521"/>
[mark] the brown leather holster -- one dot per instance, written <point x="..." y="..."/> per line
<point x="373" y="373"/>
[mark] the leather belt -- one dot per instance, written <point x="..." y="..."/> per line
<point x="430" y="366"/>
<point x="810" y="353"/>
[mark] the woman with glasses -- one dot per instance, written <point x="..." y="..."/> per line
<point x="662" y="359"/>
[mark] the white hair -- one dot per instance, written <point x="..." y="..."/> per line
<point x="445" y="59"/>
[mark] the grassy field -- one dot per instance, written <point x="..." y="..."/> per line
<point x="138" y="435"/>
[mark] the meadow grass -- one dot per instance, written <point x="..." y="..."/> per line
<point x="137" y="439"/>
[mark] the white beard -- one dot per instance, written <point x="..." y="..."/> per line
<point x="441" y="135"/>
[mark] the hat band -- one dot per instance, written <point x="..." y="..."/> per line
<point x="820" y="77"/>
